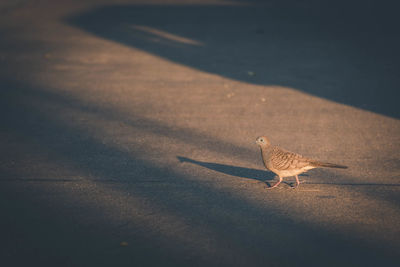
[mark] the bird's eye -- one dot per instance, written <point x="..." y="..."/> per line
<point x="262" y="140"/>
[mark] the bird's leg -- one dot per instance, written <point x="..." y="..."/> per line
<point x="297" y="181"/>
<point x="275" y="185"/>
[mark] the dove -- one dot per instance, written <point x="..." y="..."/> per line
<point x="285" y="163"/>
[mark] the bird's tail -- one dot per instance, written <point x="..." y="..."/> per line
<point x="328" y="165"/>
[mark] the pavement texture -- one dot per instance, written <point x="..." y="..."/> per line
<point x="128" y="128"/>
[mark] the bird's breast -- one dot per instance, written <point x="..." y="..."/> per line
<point x="266" y="159"/>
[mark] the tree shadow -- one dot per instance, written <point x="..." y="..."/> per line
<point x="302" y="47"/>
<point x="241" y="172"/>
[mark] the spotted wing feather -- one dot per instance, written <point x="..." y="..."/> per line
<point x="286" y="160"/>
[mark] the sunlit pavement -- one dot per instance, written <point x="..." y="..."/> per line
<point x="128" y="133"/>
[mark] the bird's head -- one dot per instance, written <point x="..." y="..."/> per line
<point x="262" y="141"/>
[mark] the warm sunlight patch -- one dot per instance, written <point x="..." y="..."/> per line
<point x="166" y="35"/>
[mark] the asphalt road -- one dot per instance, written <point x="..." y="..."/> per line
<point x="128" y="128"/>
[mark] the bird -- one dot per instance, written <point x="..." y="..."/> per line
<point x="285" y="163"/>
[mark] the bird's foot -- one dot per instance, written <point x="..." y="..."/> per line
<point x="275" y="185"/>
<point x="295" y="185"/>
<point x="271" y="187"/>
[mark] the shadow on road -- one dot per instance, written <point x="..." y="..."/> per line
<point x="346" y="53"/>
<point x="168" y="218"/>
<point x="231" y="170"/>
<point x="161" y="220"/>
<point x="261" y="175"/>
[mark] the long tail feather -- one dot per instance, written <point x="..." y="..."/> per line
<point x="328" y="165"/>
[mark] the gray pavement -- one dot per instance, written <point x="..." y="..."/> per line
<point x="128" y="133"/>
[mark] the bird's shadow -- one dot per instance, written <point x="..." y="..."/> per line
<point x="241" y="172"/>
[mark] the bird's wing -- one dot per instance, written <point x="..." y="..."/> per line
<point x="286" y="160"/>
